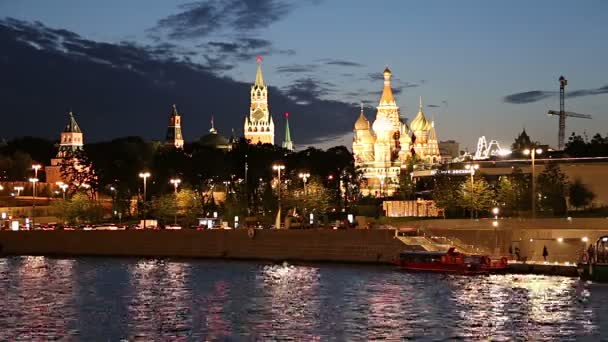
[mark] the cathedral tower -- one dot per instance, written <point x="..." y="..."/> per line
<point x="174" y="131"/>
<point x="259" y="126"/>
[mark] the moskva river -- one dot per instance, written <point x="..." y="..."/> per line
<point x="113" y="299"/>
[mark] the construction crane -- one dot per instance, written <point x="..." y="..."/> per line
<point x="563" y="82"/>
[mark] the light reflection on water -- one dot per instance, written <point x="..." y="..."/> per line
<point x="149" y="299"/>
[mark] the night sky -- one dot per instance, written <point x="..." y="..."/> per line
<point x="482" y="67"/>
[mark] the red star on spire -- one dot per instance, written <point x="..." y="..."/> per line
<point x="286" y="114"/>
<point x="259" y="59"/>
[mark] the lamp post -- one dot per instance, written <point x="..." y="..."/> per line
<point x="381" y="177"/>
<point x="34" y="181"/>
<point x="495" y="211"/>
<point x="533" y="152"/>
<point x="18" y="189"/>
<point x="175" y="182"/>
<point x="472" y="168"/>
<point x="278" y="168"/>
<point x="304" y="176"/>
<point x="144" y="176"/>
<point x="36" y="167"/>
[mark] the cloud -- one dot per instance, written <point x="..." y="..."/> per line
<point x="538" y="95"/>
<point x="433" y="106"/>
<point x="202" y="18"/>
<point x="344" y="63"/>
<point x="528" y="96"/>
<point x="126" y="89"/>
<point x="306" y="90"/>
<point x="297" y="68"/>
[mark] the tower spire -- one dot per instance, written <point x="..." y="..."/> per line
<point x="212" y="129"/>
<point x="287" y="143"/>
<point x="420" y="103"/>
<point x="259" y="78"/>
<point x="174" y="130"/>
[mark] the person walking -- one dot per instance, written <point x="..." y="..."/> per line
<point x="545" y="253"/>
<point x="517" y="257"/>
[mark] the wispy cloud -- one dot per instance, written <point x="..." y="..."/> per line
<point x="297" y="68"/>
<point x="538" y="95"/>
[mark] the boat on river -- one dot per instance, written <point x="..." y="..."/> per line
<point x="594" y="262"/>
<point x="450" y="261"/>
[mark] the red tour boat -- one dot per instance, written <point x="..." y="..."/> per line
<point x="449" y="262"/>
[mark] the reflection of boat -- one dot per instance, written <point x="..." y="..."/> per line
<point x="594" y="263"/>
<point x="450" y="261"/>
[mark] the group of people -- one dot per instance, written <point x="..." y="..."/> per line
<point x="518" y="257"/>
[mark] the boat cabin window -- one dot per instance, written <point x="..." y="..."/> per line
<point x="423" y="258"/>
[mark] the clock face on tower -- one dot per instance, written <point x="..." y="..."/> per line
<point x="258" y="114"/>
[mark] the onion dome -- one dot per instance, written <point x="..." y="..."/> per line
<point x="362" y="122"/>
<point x="420" y="123"/>
<point x="387" y="97"/>
<point x="404" y="134"/>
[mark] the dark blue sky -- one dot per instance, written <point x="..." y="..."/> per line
<point x="464" y="58"/>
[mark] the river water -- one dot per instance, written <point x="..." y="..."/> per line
<point x="113" y="299"/>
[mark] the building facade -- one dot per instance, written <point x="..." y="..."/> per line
<point x="71" y="141"/>
<point x="259" y="126"/>
<point x="174" y="136"/>
<point x="383" y="148"/>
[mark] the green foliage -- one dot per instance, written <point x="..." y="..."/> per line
<point x="580" y="146"/>
<point x="186" y="205"/>
<point x="78" y="209"/>
<point x="506" y="195"/>
<point x="522" y="185"/>
<point x="552" y="186"/>
<point x="579" y="194"/>
<point x="446" y="193"/>
<point x="476" y="196"/>
<point x="316" y="199"/>
<point x="79" y="173"/>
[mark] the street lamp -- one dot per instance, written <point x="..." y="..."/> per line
<point x="18" y="189"/>
<point x="36" y="167"/>
<point x="33" y="180"/>
<point x="304" y="176"/>
<point x="495" y="211"/>
<point x="381" y="177"/>
<point x="533" y="152"/>
<point x="144" y="176"/>
<point x="63" y="187"/>
<point x="175" y="182"/>
<point x="278" y="168"/>
<point x="472" y="168"/>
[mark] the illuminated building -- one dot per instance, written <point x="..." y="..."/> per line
<point x="71" y="141"/>
<point x="215" y="140"/>
<point x="174" y="131"/>
<point x="259" y="126"/>
<point x="384" y="147"/>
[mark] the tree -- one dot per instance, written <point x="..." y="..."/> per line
<point x="77" y="169"/>
<point x="317" y="198"/>
<point x="579" y="194"/>
<point x="553" y="184"/>
<point x="506" y="195"/>
<point x="476" y="196"/>
<point x="78" y="209"/>
<point x="446" y="194"/>
<point x="185" y="204"/>
<point x="522" y="184"/>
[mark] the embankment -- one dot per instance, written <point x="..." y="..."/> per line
<point x="365" y="246"/>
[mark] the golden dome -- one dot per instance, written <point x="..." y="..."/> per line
<point x="420" y="123"/>
<point x="362" y="122"/>
<point x="387" y="72"/>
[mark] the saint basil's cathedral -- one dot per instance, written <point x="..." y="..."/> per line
<point x="382" y="149"/>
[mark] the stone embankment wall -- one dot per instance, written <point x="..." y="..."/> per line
<point x="367" y="246"/>
<point x="563" y="238"/>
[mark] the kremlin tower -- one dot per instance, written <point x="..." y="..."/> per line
<point x="383" y="148"/>
<point x="287" y="143"/>
<point x="174" y="131"/>
<point x="72" y="141"/>
<point x="259" y="127"/>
